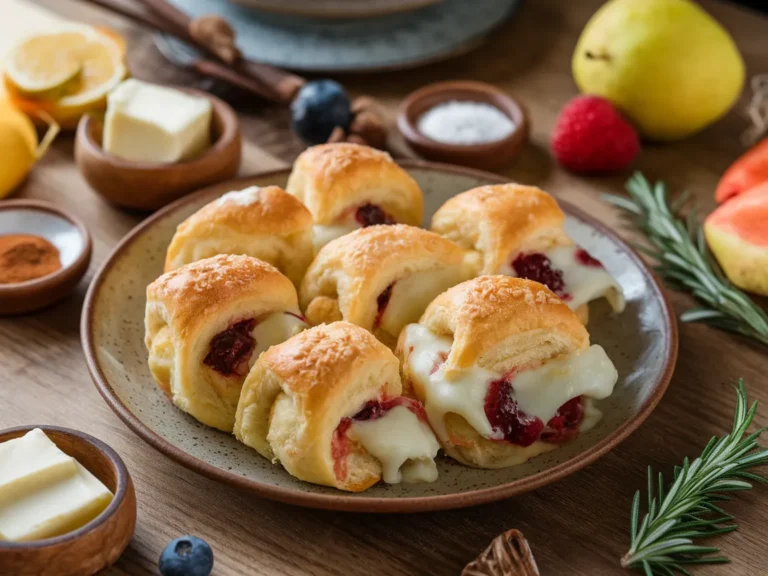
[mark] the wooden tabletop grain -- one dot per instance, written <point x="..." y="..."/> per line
<point x="577" y="526"/>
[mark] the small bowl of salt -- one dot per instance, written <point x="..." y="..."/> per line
<point x="469" y="123"/>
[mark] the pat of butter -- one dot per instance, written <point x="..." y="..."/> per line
<point x="31" y="461"/>
<point x="46" y="492"/>
<point x="150" y="123"/>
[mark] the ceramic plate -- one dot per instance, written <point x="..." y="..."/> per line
<point x="389" y="42"/>
<point x="336" y="8"/>
<point x="642" y="342"/>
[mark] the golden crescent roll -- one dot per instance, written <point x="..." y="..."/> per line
<point x="348" y="186"/>
<point x="266" y="223"/>
<point x="505" y="371"/>
<point x="327" y="405"/>
<point x="519" y="232"/>
<point x="207" y="322"/>
<point x="382" y="277"/>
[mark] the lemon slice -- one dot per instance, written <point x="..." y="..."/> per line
<point x="45" y="66"/>
<point x="102" y="69"/>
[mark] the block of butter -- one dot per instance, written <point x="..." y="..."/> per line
<point x="151" y="123"/>
<point x="44" y="492"/>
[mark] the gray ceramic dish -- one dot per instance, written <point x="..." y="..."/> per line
<point x="642" y="343"/>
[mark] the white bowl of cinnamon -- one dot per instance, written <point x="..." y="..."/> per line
<point x="44" y="252"/>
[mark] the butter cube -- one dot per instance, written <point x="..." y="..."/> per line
<point x="31" y="461"/>
<point x="56" y="509"/>
<point x="43" y="491"/>
<point x="151" y="123"/>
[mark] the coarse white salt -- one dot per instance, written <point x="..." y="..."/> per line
<point x="465" y="123"/>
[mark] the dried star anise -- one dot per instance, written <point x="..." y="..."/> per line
<point x="507" y="555"/>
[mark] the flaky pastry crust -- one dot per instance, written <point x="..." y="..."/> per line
<point x="331" y="179"/>
<point x="499" y="220"/>
<point x="349" y="274"/>
<point x="299" y="391"/>
<point x="498" y="323"/>
<point x="187" y="307"/>
<point x="266" y="223"/>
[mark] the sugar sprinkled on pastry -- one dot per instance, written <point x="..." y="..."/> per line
<point x="207" y="322"/>
<point x="519" y="232"/>
<point x="349" y="186"/>
<point x="383" y="277"/>
<point x="505" y="371"/>
<point x="266" y="223"/>
<point x="327" y="405"/>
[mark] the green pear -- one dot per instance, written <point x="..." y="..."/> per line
<point x="666" y="64"/>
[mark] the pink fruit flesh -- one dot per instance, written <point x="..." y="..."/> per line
<point x="231" y="349"/>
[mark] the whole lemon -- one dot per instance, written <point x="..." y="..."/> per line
<point x="666" y="64"/>
<point x="19" y="149"/>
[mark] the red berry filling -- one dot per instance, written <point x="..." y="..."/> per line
<point x="586" y="259"/>
<point x="373" y="410"/>
<point x="371" y="214"/>
<point x="564" y="425"/>
<point x="381" y="304"/>
<point x="537" y="267"/>
<point x="506" y="417"/>
<point x="519" y="428"/>
<point x="231" y="349"/>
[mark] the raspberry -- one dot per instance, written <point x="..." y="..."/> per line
<point x="370" y="215"/>
<point x="590" y="136"/>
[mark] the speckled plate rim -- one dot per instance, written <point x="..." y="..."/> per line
<point x="342" y="501"/>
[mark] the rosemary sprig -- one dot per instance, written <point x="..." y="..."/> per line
<point x="689" y="509"/>
<point x="684" y="261"/>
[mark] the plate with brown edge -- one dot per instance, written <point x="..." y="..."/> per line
<point x="642" y="342"/>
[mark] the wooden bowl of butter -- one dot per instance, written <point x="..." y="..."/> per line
<point x="67" y="503"/>
<point x="156" y="144"/>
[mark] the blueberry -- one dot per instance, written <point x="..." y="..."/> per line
<point x="186" y="556"/>
<point x="318" y="108"/>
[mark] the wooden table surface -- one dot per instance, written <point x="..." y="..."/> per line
<point x="577" y="526"/>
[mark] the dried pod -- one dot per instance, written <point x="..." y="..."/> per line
<point x="338" y="135"/>
<point x="371" y="128"/>
<point x="507" y="555"/>
<point x="216" y="34"/>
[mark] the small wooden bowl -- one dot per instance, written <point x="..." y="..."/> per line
<point x="489" y="156"/>
<point x="61" y="229"/>
<point x="149" y="186"/>
<point x="96" y="545"/>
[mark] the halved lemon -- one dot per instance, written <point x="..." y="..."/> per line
<point x="45" y="66"/>
<point x="97" y="55"/>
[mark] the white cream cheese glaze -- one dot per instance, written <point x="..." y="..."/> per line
<point x="538" y="391"/>
<point x="405" y="446"/>
<point x="583" y="283"/>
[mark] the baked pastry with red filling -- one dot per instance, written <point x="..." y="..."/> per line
<point x="519" y="232"/>
<point x="266" y="223"/>
<point x="505" y="371"/>
<point x="327" y="405"/>
<point x="348" y="186"/>
<point x="383" y="277"/>
<point x="207" y="322"/>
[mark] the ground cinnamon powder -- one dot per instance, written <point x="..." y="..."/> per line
<point x="26" y="257"/>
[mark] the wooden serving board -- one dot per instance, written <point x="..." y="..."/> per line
<point x="579" y="526"/>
